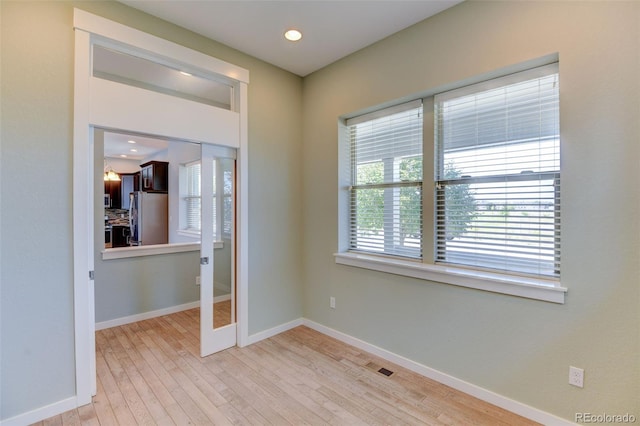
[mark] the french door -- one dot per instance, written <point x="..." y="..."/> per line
<point x="217" y="249"/>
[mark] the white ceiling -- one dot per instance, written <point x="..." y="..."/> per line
<point x="117" y="145"/>
<point x="332" y="29"/>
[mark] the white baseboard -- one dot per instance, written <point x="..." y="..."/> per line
<point x="41" y="413"/>
<point x="157" y="313"/>
<point x="466" y="387"/>
<point x="254" y="338"/>
<point x="146" y="315"/>
<point x="222" y="298"/>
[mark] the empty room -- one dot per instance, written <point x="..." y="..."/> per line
<point x="416" y="212"/>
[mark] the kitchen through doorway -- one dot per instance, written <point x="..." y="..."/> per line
<point x="138" y="280"/>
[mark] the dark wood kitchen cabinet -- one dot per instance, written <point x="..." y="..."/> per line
<point x="119" y="236"/>
<point x="113" y="189"/>
<point x="154" y="176"/>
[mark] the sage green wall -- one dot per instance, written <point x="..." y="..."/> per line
<point x="36" y="268"/>
<point x="515" y="347"/>
<point x="36" y="300"/>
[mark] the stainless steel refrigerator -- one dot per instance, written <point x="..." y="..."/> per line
<point x="148" y="218"/>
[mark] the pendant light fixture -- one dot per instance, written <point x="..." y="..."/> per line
<point x="109" y="174"/>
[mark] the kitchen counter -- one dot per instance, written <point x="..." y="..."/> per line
<point x="116" y="217"/>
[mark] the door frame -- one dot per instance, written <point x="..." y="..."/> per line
<point x="87" y="106"/>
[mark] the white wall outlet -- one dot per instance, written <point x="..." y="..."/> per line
<point x="576" y="376"/>
<point x="198" y="280"/>
<point x="332" y="302"/>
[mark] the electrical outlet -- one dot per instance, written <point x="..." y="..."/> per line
<point x="576" y="376"/>
<point x="332" y="302"/>
<point x="198" y="280"/>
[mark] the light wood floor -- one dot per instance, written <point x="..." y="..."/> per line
<point x="151" y="373"/>
<point x="221" y="314"/>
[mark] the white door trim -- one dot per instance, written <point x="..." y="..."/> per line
<point x="90" y="28"/>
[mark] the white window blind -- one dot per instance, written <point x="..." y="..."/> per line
<point x="386" y="181"/>
<point x="192" y="197"/>
<point x="226" y="179"/>
<point x="498" y="174"/>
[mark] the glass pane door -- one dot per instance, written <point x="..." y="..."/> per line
<point x="217" y="251"/>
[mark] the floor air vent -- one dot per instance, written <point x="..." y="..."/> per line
<point x="385" y="372"/>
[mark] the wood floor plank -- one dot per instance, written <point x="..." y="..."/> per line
<point x="316" y="389"/>
<point x="53" y="421"/>
<point x="72" y="417"/>
<point x="86" y="416"/>
<point x="162" y="368"/>
<point x="343" y="387"/>
<point x="248" y="392"/>
<point x="111" y="386"/>
<point x="385" y="393"/>
<point x="164" y="396"/>
<point x="104" y="411"/>
<point x="151" y="372"/>
<point x="290" y="396"/>
<point x="345" y="374"/>
<point x="115" y="359"/>
<point x="171" y="376"/>
<point x="209" y="400"/>
<point x="135" y="370"/>
<point x="265" y="385"/>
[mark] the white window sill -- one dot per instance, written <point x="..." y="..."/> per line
<point x="532" y="288"/>
<point x="196" y="236"/>
<point x="190" y="234"/>
<point x="152" y="250"/>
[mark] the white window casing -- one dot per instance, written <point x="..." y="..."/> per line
<point x="494" y="222"/>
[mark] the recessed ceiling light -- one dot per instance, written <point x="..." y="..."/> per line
<point x="123" y="155"/>
<point x="133" y="150"/>
<point x="293" y="35"/>
<point x="185" y="73"/>
<point x="131" y="141"/>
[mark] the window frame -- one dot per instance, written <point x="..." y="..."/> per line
<point x="391" y="185"/>
<point x="222" y="225"/>
<point x="541" y="288"/>
<point x="493" y="250"/>
<point x="186" y="197"/>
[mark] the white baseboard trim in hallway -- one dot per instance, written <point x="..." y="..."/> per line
<point x="440" y="377"/>
<point x="146" y="315"/>
<point x="157" y="313"/>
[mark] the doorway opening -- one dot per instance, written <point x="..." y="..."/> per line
<point x="105" y="99"/>
<point x="155" y="233"/>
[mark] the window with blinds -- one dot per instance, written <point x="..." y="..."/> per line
<point x="498" y="174"/>
<point x="386" y="181"/>
<point x="192" y="197"/>
<point x="227" y="167"/>
<point x="223" y="180"/>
